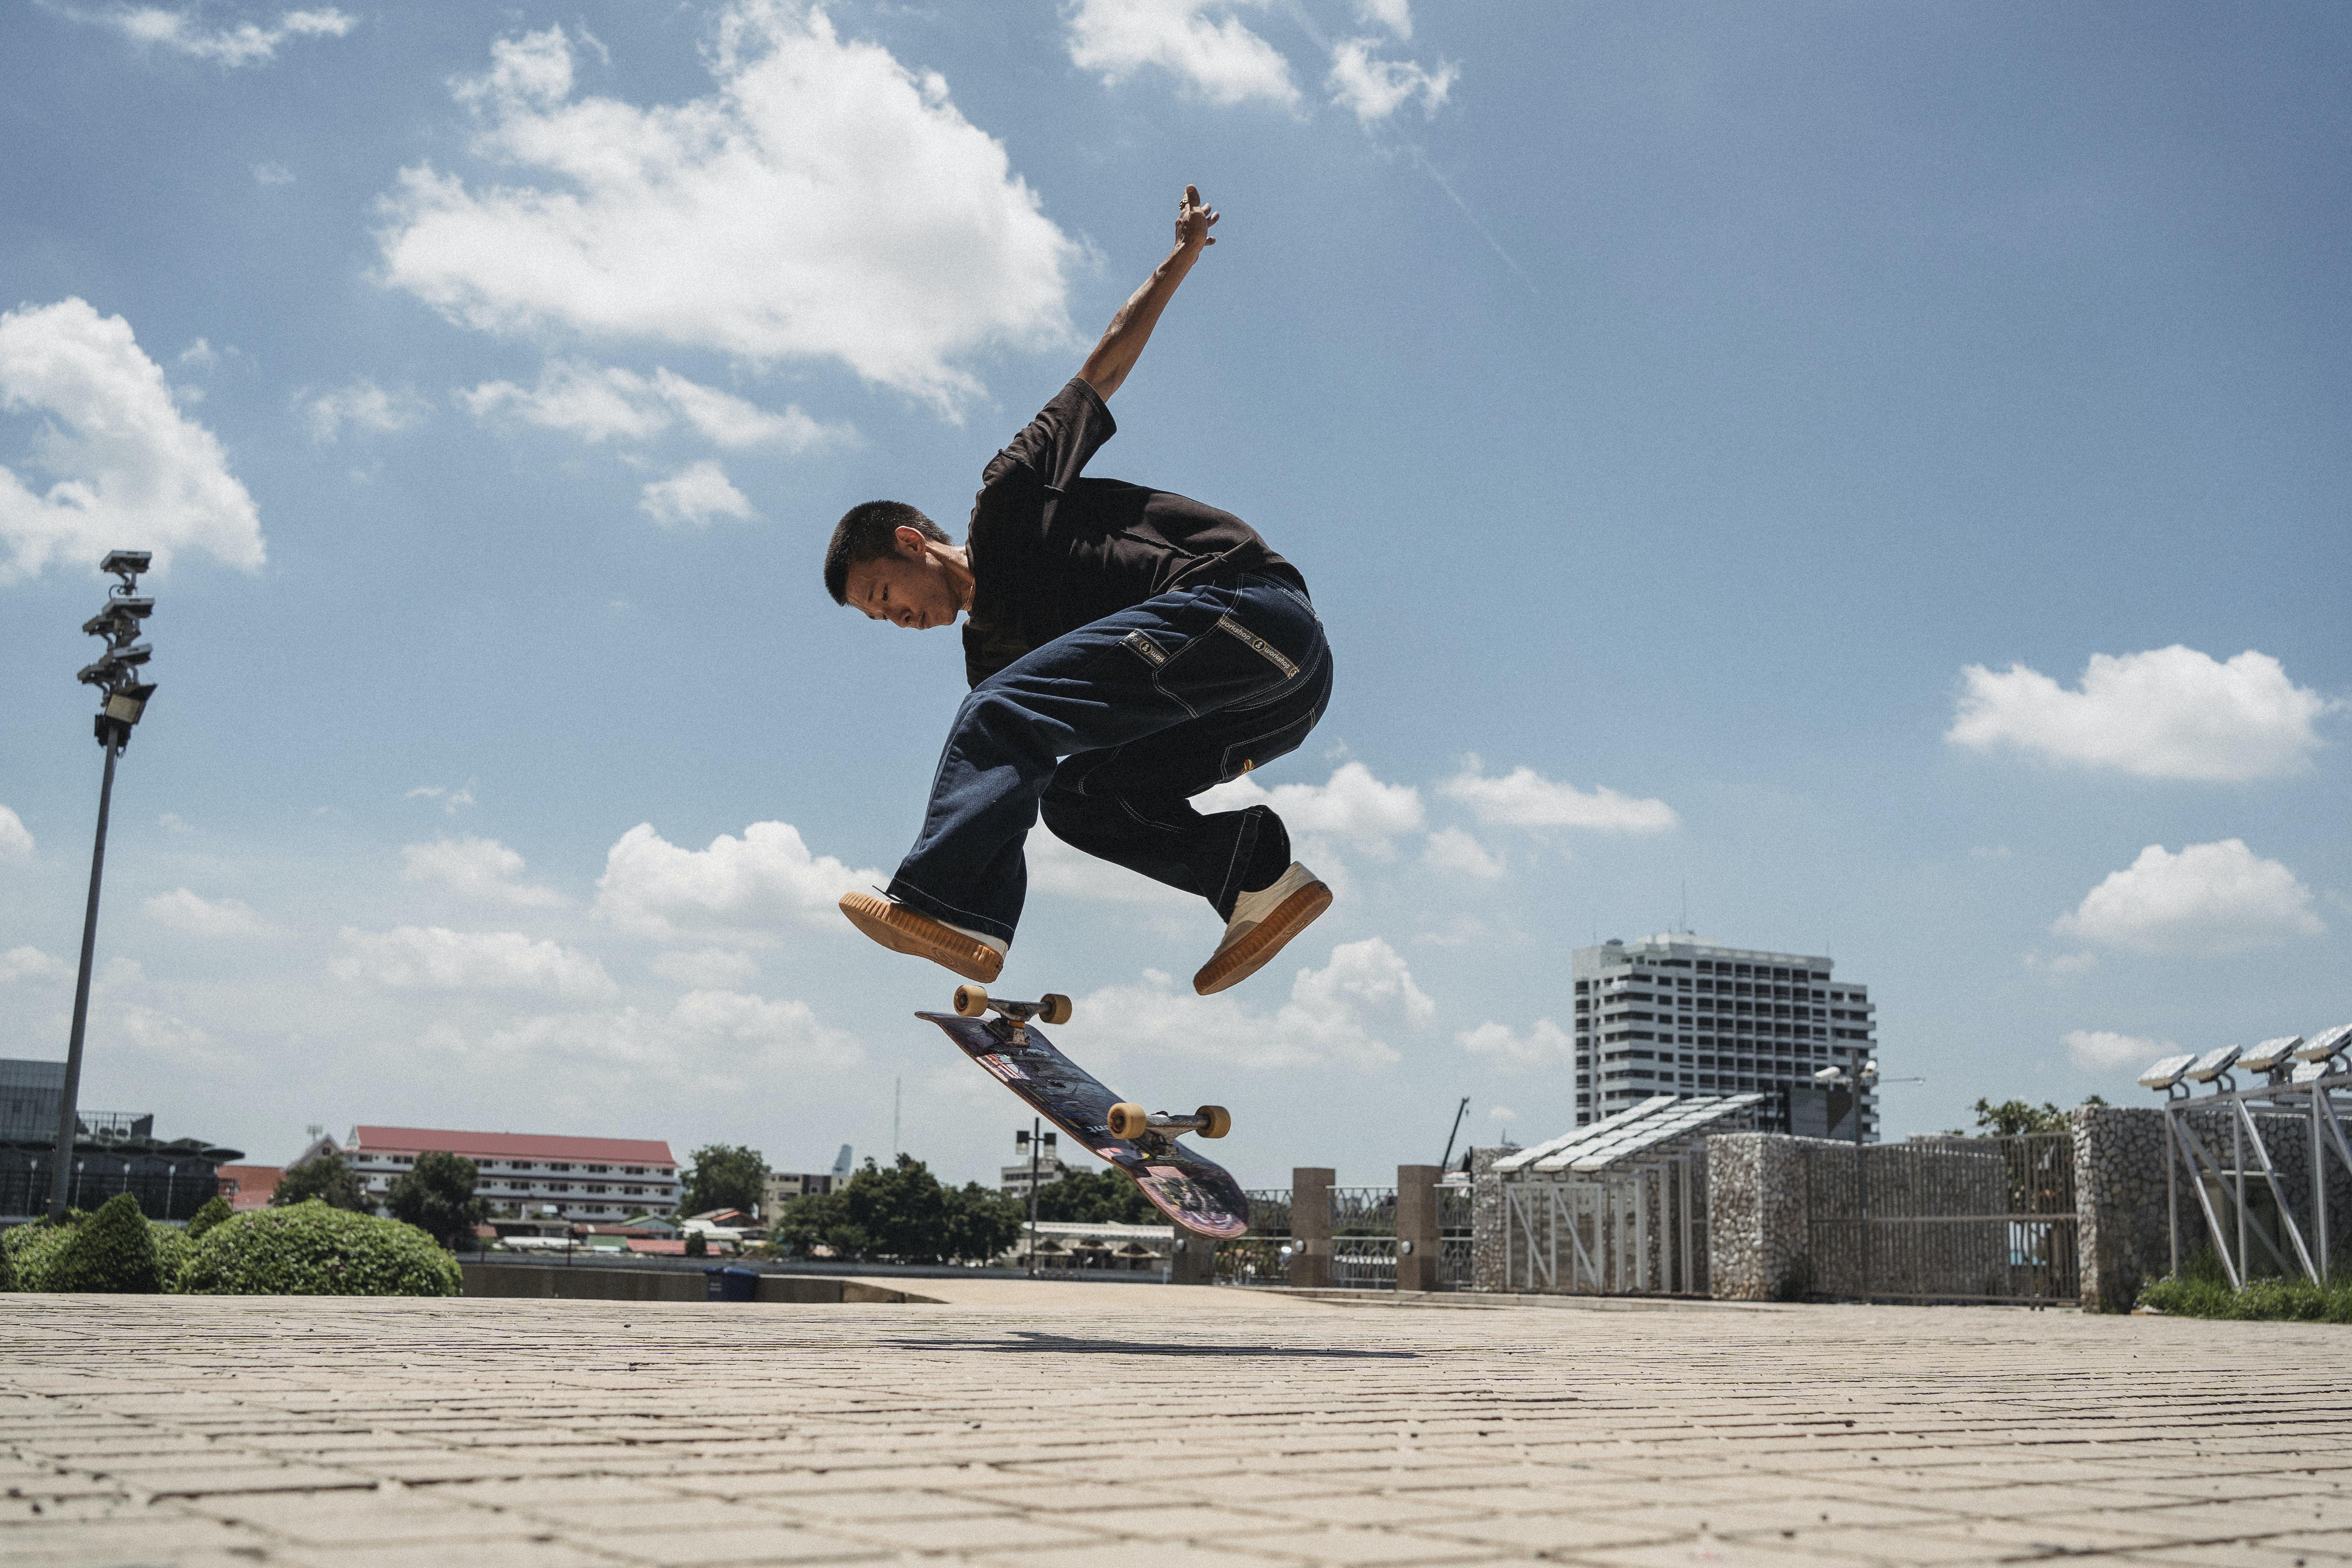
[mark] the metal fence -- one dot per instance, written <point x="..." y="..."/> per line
<point x="1257" y="1258"/>
<point x="1363" y="1241"/>
<point x="175" y="1192"/>
<point x="1959" y="1219"/>
<point x="1454" y="1233"/>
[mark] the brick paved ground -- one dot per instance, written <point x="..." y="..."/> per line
<point x="1249" y="1432"/>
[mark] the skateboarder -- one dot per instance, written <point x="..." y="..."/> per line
<point x="1126" y="650"/>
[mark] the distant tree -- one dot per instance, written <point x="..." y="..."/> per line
<point x="326" y="1177"/>
<point x="2012" y="1117"/>
<point x="981" y="1223"/>
<point x="817" y="1219"/>
<point x="1095" y="1197"/>
<point x="437" y="1196"/>
<point x="696" y="1244"/>
<point x="216" y="1209"/>
<point x="902" y="1212"/>
<point x="725" y="1176"/>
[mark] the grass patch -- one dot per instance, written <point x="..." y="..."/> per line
<point x="2201" y="1291"/>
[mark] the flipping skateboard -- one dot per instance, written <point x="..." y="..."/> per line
<point x="1198" y="1194"/>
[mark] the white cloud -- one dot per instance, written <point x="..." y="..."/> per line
<point x="1396" y="15"/>
<point x="597" y="403"/>
<point x="1203" y="44"/>
<point x="200" y="353"/>
<point x="478" y="868"/>
<point x="1372" y="89"/>
<point x="737" y="890"/>
<point x="1056" y="867"/>
<point x="1546" y="1043"/>
<point x="706" y="969"/>
<point x="1525" y="798"/>
<point x="451" y="800"/>
<point x="2209" y="898"/>
<point x="2102" y="1048"/>
<point x="435" y="958"/>
<point x="691" y="496"/>
<point x="1453" y="850"/>
<point x="128" y="470"/>
<point x="1354" y="807"/>
<point x="272" y="175"/>
<point x="19" y="964"/>
<point x="2064" y="967"/>
<point x="170" y="1038"/>
<point x="823" y="202"/>
<point x="362" y="406"/>
<point x="723" y="1035"/>
<point x="2170" y="714"/>
<point x="1502" y="1114"/>
<point x="15" y="838"/>
<point x="1329" y="1018"/>
<point x="186" y="912"/>
<point x="245" y="44"/>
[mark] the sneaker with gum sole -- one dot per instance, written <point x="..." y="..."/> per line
<point x="905" y="930"/>
<point x="1262" y="921"/>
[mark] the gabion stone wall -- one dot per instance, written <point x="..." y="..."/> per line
<point x="1486" y="1220"/>
<point x="2121" y="1232"/>
<point x="1756" y="1244"/>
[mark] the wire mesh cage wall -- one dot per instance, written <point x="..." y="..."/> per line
<point x="1631" y="1231"/>
<point x="1959" y="1219"/>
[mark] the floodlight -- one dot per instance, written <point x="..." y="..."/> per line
<point x="2271" y="1055"/>
<point x="109" y="623"/>
<point x="2213" y="1063"/>
<point x="2325" y="1044"/>
<point x="2165" y="1073"/>
<point x="1829" y="1075"/>
<point x="126" y="705"/>
<point x="126" y="563"/>
<point x="129" y="658"/>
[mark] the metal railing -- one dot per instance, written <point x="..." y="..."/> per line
<point x="1364" y="1262"/>
<point x="175" y="1192"/>
<point x="1959" y="1219"/>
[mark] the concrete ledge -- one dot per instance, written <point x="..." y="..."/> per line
<point x="573" y="1283"/>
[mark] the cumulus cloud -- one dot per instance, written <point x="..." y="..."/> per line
<point x="435" y="958"/>
<point x="2098" y="1049"/>
<point x="738" y="890"/>
<point x="1453" y="850"/>
<point x="1372" y="89"/>
<point x="452" y="800"/>
<point x="1329" y="1018"/>
<point x="245" y="44"/>
<point x="1525" y="798"/>
<point x="1203" y="44"/>
<point x="728" y="1034"/>
<point x="477" y="868"/>
<point x="693" y="495"/>
<point x="1395" y="15"/>
<point x="1055" y="868"/>
<point x="126" y="469"/>
<point x="15" y="838"/>
<point x="31" y="964"/>
<point x="822" y="202"/>
<point x="2209" y="898"/>
<point x="1352" y="806"/>
<point x="1546" y="1043"/>
<point x="186" y="912"/>
<point x="598" y="403"/>
<point x="168" y="1037"/>
<point x="362" y="407"/>
<point x="2170" y="714"/>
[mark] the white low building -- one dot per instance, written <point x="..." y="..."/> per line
<point x="527" y="1174"/>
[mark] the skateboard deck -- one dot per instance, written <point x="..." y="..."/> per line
<point x="1195" y="1192"/>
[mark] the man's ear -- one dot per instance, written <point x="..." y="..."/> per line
<point x="912" y="545"/>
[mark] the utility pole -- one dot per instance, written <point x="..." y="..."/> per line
<point x="124" y="699"/>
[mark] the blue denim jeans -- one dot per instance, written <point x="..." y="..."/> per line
<point x="1109" y="730"/>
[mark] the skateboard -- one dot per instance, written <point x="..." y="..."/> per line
<point x="1196" y="1192"/>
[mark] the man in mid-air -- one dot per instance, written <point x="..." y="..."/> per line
<point x="1126" y="647"/>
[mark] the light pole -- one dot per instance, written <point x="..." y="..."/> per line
<point x="1037" y="1142"/>
<point x="1861" y="1077"/>
<point x="123" y="700"/>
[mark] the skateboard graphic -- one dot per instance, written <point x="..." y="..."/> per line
<point x="1196" y="1192"/>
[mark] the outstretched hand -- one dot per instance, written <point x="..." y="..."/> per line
<point x="1195" y="218"/>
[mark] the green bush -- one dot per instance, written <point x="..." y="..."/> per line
<point x="2202" y="1290"/>
<point x="112" y="1252"/>
<point x="216" y="1210"/>
<point x="7" y="1269"/>
<point x="315" y="1249"/>
<point x="32" y="1248"/>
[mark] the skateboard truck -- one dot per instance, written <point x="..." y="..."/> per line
<point x="1153" y="1129"/>
<point x="1012" y="1018"/>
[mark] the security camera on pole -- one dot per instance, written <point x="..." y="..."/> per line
<point x="123" y="699"/>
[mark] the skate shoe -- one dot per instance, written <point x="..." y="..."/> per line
<point x="1261" y="923"/>
<point x="904" y="930"/>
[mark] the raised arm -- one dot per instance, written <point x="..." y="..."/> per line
<point x="1122" y="341"/>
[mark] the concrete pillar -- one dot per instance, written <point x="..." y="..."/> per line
<point x="1416" y="1226"/>
<point x="1310" y="1226"/>
<point x="1194" y="1261"/>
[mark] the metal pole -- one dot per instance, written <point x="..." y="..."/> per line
<point x="1037" y="1131"/>
<point x="68" y="1099"/>
<point x="2171" y="1190"/>
<point x="1860" y="1182"/>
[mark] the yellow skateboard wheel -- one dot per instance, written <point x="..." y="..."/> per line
<point x="1054" y="1008"/>
<point x="1129" y="1120"/>
<point x="1216" y="1120"/>
<point x="970" y="1001"/>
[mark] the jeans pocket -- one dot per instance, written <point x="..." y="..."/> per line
<point x="1256" y="751"/>
<point x="1221" y="665"/>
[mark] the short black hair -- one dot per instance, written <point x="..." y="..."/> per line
<point x="868" y="532"/>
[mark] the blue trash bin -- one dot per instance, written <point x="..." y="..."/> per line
<point x="732" y="1283"/>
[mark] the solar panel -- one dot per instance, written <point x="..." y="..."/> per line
<point x="2270" y="1055"/>
<point x="2326" y="1043"/>
<point x="2307" y="1072"/>
<point x="1689" y="1117"/>
<point x="2213" y="1063"/>
<point x="2167" y="1072"/>
<point x="1585" y="1134"/>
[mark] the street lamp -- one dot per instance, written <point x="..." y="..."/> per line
<point x="123" y="700"/>
<point x="1860" y="1076"/>
<point x="1037" y="1142"/>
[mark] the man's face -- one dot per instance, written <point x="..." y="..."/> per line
<point x="911" y="588"/>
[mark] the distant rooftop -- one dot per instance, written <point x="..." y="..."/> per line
<point x="511" y="1145"/>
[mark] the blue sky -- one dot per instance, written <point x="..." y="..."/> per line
<point x="1872" y="478"/>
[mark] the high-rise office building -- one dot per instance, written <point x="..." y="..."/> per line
<point x="1676" y="1014"/>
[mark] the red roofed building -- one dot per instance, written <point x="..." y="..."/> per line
<point x="249" y="1186"/>
<point x="524" y="1174"/>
